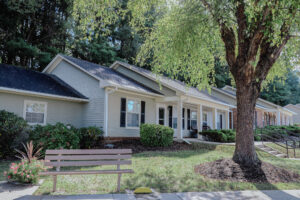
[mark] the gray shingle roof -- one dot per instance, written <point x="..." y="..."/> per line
<point x="110" y="75"/>
<point x="23" y="79"/>
<point x="178" y="85"/>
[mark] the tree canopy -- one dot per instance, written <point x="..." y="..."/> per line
<point x="186" y="36"/>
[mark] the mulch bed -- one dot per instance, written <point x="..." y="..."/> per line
<point x="227" y="169"/>
<point x="137" y="147"/>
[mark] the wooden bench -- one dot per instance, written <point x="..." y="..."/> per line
<point x="87" y="157"/>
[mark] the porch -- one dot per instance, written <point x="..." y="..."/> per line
<point x="194" y="114"/>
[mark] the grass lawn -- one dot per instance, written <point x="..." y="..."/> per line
<point x="283" y="150"/>
<point x="167" y="172"/>
<point x="4" y="166"/>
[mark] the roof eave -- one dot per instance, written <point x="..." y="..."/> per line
<point x="43" y="95"/>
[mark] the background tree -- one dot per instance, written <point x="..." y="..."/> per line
<point x="247" y="35"/>
<point x="283" y="92"/>
<point x="33" y="32"/>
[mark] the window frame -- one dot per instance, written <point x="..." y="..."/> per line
<point x="191" y="119"/>
<point x="139" y="113"/>
<point x="206" y="121"/>
<point x="158" y="106"/>
<point x="38" y="102"/>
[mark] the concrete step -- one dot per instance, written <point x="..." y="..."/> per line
<point x="281" y="155"/>
<point x="271" y="151"/>
<point x="274" y="152"/>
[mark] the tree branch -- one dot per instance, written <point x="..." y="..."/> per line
<point x="227" y="35"/>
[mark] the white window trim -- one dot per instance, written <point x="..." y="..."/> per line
<point x="140" y="102"/>
<point x="193" y="110"/>
<point x="157" y="113"/>
<point x="39" y="102"/>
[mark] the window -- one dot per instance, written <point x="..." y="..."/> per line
<point x="220" y="122"/>
<point x="204" y="118"/>
<point x="183" y="111"/>
<point x="170" y="108"/>
<point x="194" y="120"/>
<point x="161" y="116"/>
<point x="133" y="113"/>
<point x="35" y="112"/>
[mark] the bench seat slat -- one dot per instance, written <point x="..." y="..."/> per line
<point x="87" y="157"/>
<point x="87" y="163"/>
<point x="120" y="171"/>
<point x="88" y="151"/>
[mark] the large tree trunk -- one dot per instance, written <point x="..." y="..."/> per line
<point x="244" y="148"/>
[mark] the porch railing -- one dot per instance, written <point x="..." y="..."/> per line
<point x="285" y="141"/>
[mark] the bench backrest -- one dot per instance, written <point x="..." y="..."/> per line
<point x="87" y="157"/>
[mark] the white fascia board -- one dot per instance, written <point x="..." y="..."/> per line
<point x="133" y="91"/>
<point x="51" y="63"/>
<point x="48" y="70"/>
<point x="39" y="94"/>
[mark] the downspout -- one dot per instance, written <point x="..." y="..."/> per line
<point x="107" y="92"/>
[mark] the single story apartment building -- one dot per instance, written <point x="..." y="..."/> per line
<point x="296" y="109"/>
<point x="118" y="98"/>
<point x="266" y="113"/>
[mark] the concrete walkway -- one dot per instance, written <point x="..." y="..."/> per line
<point x="232" y="195"/>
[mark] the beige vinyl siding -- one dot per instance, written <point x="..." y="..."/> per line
<point x="147" y="82"/>
<point x="57" y="110"/>
<point x="296" y="109"/>
<point x="93" y="111"/>
<point x="224" y="97"/>
<point x="114" y="108"/>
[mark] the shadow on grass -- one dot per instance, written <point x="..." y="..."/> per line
<point x="265" y="186"/>
<point x="195" y="149"/>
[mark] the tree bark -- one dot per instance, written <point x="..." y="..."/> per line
<point x="247" y="95"/>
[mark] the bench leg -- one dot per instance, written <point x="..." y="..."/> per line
<point x="54" y="183"/>
<point x="119" y="182"/>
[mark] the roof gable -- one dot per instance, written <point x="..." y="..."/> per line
<point x="32" y="81"/>
<point x="106" y="76"/>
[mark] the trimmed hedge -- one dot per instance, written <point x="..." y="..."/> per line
<point x="90" y="137"/>
<point x="155" y="135"/>
<point x="55" y="136"/>
<point x="219" y="135"/>
<point x="65" y="136"/>
<point x="284" y="130"/>
<point x="13" y="131"/>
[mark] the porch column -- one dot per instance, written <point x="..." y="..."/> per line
<point x="215" y="118"/>
<point x="278" y="118"/>
<point x="199" y="118"/>
<point x="179" y="118"/>
<point x="227" y="119"/>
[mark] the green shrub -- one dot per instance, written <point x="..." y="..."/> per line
<point x="282" y="130"/>
<point x="55" y="136"/>
<point x="13" y="131"/>
<point x="219" y="135"/>
<point x="25" y="171"/>
<point x="155" y="135"/>
<point x="90" y="137"/>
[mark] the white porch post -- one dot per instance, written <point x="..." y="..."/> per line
<point x="278" y="118"/>
<point x="179" y="119"/>
<point x="199" y="119"/>
<point x="215" y="118"/>
<point x="227" y="119"/>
